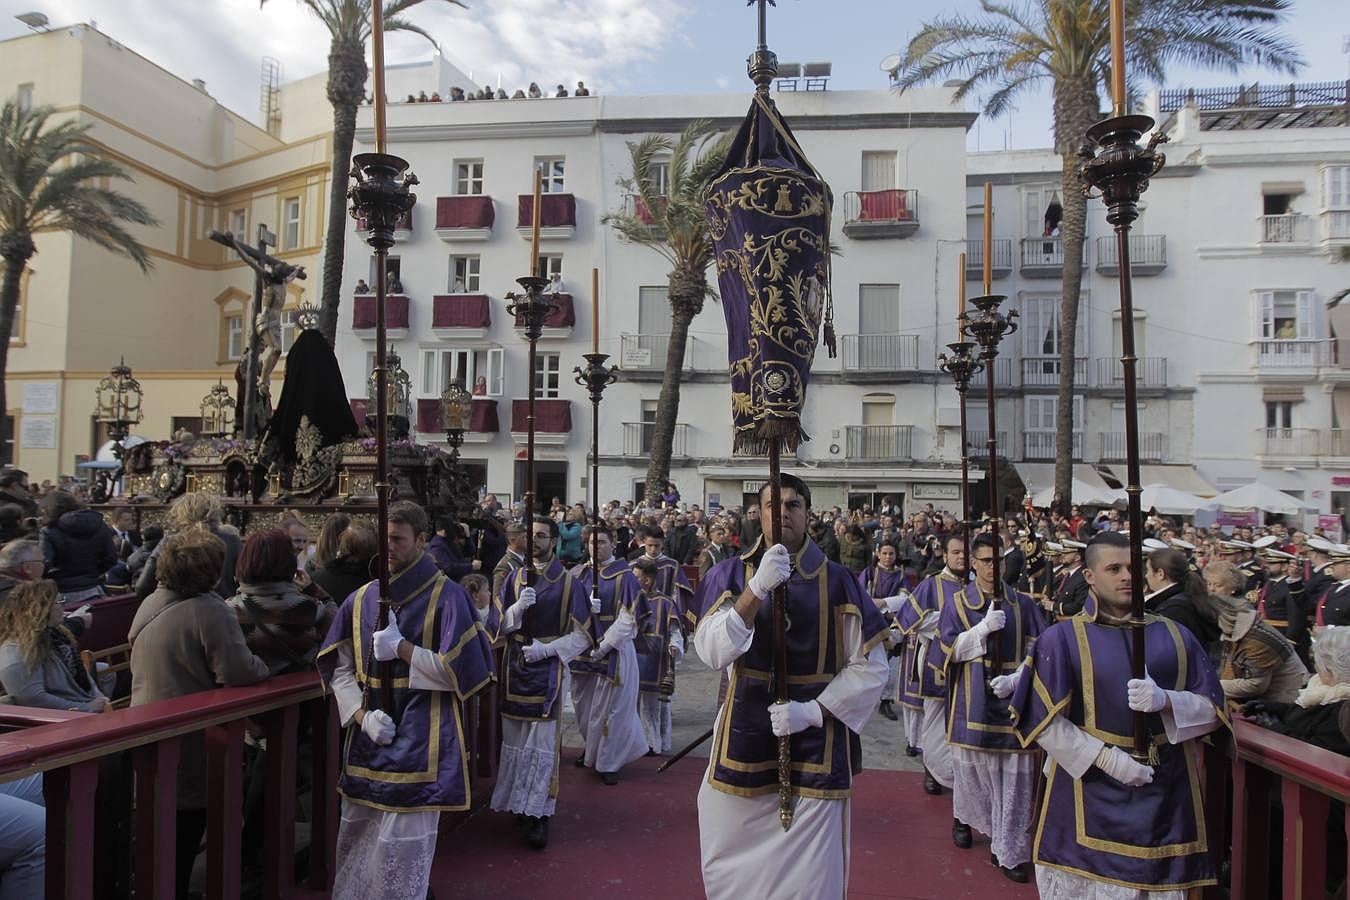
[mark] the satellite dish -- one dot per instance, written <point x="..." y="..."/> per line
<point x="891" y="63"/>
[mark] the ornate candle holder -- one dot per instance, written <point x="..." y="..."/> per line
<point x="961" y="365"/>
<point x="595" y="376"/>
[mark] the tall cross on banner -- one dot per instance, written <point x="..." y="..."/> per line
<point x="763" y="37"/>
<point x="762" y="65"/>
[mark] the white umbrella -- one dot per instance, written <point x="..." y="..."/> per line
<point x="1083" y="493"/>
<point x="1172" y="501"/>
<point x="1263" y="497"/>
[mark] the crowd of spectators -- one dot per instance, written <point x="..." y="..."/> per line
<point x="487" y="92"/>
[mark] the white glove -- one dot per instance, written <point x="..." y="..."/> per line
<point x="387" y="640"/>
<point x="928" y="624"/>
<point x="378" y="726"/>
<point x="595" y="605"/>
<point x="1145" y="695"/>
<point x="601" y="650"/>
<point x="526" y="598"/>
<point x="792" y="717"/>
<point x="535" y="651"/>
<point x="893" y="604"/>
<point x="993" y="621"/>
<point x="774" y="568"/>
<point x="1004" y="685"/>
<point x="1122" y="767"/>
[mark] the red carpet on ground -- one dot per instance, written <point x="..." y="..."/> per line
<point x="639" y="839"/>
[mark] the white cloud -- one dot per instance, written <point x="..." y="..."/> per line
<point x="223" y="41"/>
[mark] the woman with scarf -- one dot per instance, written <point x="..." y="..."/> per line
<point x="1256" y="662"/>
<point x="1315" y="714"/>
<point x="882" y="581"/>
<point x="282" y="625"/>
<point x="39" y="662"/>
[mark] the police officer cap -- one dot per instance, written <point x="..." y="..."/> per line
<point x="1154" y="544"/>
<point x="1265" y="541"/>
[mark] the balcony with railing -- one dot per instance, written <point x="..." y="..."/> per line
<point x="1294" y="353"/>
<point x="1005" y="368"/>
<point x="879" y="442"/>
<point x="465" y="217"/>
<point x="635" y="206"/>
<point x="648" y="352"/>
<point x="1042" y="257"/>
<point x="1043" y="371"/>
<point x="1286" y="228"/>
<point x="483" y="423"/>
<point x="1000" y="263"/>
<point x="1335" y="227"/>
<point x="1040" y="445"/>
<point x="1152" y="447"/>
<point x="557" y="215"/>
<point x="552" y="420"/>
<point x="979" y="443"/>
<point x="1336" y="443"/>
<point x="1150" y="373"/>
<point x="461" y="316"/>
<point x="1148" y="254"/>
<point x="881" y="214"/>
<point x="1289" y="443"/>
<point x="867" y="356"/>
<point x="559" y="321"/>
<point x="396" y="315"/>
<point x="637" y="439"/>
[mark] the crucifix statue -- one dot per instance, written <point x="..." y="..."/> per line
<point x="264" y="317"/>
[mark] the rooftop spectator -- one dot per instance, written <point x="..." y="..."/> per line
<point x="78" y="546"/>
<point x="456" y="94"/>
<point x="581" y="89"/>
<point x="518" y="95"/>
<point x="534" y="91"/>
<point x="501" y="94"/>
<point x="561" y="91"/>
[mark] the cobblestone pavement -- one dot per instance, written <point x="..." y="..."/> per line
<point x="695" y="700"/>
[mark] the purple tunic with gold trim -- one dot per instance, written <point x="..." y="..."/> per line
<point x="1151" y="838"/>
<point x="820" y="594"/>
<point x="426" y="766"/>
<point x="880" y="583"/>
<point x="976" y="719"/>
<point x="657" y="618"/>
<point x="671" y="581"/>
<point x="934" y="593"/>
<point x="530" y="690"/>
<point x="618" y="590"/>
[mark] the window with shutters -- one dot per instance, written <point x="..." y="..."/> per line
<point x="1280" y="414"/>
<point x="239" y="224"/>
<point x="1284" y="316"/>
<point x="551" y="168"/>
<point x="469" y="177"/>
<point x="1336" y="187"/>
<point x="464" y="274"/>
<point x="1039" y="219"/>
<point x="290" y="224"/>
<point x="878" y="170"/>
<point x="1041" y="336"/>
<point x="478" y="369"/>
<point x="654" y="310"/>
<point x="546" y="366"/>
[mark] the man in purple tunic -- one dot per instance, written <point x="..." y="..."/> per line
<point x="670" y="577"/>
<point x="401" y="771"/>
<point x="986" y="641"/>
<point x="925" y="666"/>
<point x="546" y="626"/>
<point x="884" y="582"/>
<point x="1109" y="826"/>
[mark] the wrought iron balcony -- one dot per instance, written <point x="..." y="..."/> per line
<point x="885" y="353"/>
<point x="1148" y="254"/>
<point x="1042" y="257"/>
<point x="1289" y="443"/>
<point x="880" y="442"/>
<point x="1001" y="261"/>
<point x="1294" y="353"/>
<point x="881" y="214"/>
<point x="1335" y="227"/>
<point x="1150" y="373"/>
<point x="1287" y="228"/>
<point x="1152" y="447"/>
<point x="1040" y="445"/>
<point x="637" y="439"/>
<point x="979" y="443"/>
<point x="1336" y="442"/>
<point x="1043" y="371"/>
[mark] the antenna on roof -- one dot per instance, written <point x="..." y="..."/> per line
<point x="269" y="99"/>
<point x="891" y="66"/>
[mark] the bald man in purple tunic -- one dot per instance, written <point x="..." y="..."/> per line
<point x="1109" y="826"/>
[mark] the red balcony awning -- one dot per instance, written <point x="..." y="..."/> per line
<point x="395" y="311"/>
<point x="461" y="311"/>
<point x="556" y="211"/>
<point x="483" y="419"/>
<point x="429" y="416"/>
<point x="552" y="416"/>
<point x="882" y="206"/>
<point x="562" y="316"/>
<point x="465" y="212"/>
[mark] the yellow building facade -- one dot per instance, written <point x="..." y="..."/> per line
<point x="197" y="166"/>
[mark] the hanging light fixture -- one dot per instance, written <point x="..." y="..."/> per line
<point x="398" y="394"/>
<point x="217" y="412"/>
<point x="118" y="398"/>
<point x="456" y="408"/>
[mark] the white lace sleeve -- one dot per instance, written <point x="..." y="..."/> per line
<point x="722" y="637"/>
<point x="346" y="691"/>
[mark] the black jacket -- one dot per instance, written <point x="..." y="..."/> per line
<point x="1072" y="595"/>
<point x="1173" y="603"/>
<point x="343" y="577"/>
<point x="1316" y="725"/>
<point x="79" y="549"/>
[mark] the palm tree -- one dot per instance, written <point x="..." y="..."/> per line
<point x="672" y="224"/>
<point x="53" y="179"/>
<point x="349" y="27"/>
<point x="1067" y="43"/>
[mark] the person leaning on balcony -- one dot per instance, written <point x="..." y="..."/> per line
<point x="186" y="639"/>
<point x="39" y="660"/>
<point x="1256" y="662"/>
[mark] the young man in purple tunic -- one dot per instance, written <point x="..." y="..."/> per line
<point x="670" y="577"/>
<point x="836" y="669"/>
<point x="546" y="626"/>
<point x="1109" y="826"/>
<point x="401" y="771"/>
<point x="993" y="775"/>
<point x="884" y="582"/>
<point x="925" y="665"/>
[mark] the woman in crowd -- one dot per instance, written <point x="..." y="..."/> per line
<point x="1256" y="662"/>
<point x="281" y="624"/>
<point x="39" y="662"/>
<point x="569" y="537"/>
<point x="1315" y="714"/>
<point x="185" y="639"/>
<point x="77" y="544"/>
<point x="350" y="567"/>
<point x="854" y="550"/>
<point x="1177" y="593"/>
<point x="193" y="509"/>
<point x="326" y="547"/>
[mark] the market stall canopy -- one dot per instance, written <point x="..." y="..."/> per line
<point x="1171" y="502"/>
<point x="1182" y="478"/>
<point x="1263" y="497"/>
<point x="1088" y="487"/>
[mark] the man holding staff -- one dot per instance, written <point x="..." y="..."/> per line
<point x="833" y="693"/>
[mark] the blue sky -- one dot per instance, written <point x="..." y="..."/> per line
<point x="616" y="46"/>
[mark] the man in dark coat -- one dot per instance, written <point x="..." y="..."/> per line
<point x="1073" y="590"/>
